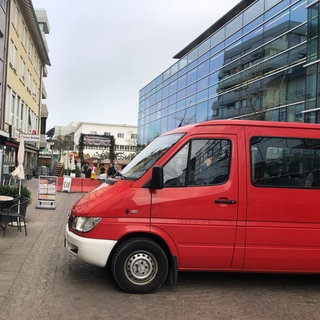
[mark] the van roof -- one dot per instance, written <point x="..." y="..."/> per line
<point x="235" y="122"/>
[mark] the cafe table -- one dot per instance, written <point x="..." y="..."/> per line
<point x="3" y="200"/>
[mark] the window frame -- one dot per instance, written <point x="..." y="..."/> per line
<point x="291" y="167"/>
<point x="186" y="175"/>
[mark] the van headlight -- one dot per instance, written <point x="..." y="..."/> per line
<point x="84" y="224"/>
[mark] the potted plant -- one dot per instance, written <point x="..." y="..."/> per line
<point x="13" y="191"/>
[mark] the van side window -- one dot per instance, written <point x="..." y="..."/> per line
<point x="200" y="162"/>
<point x="285" y="162"/>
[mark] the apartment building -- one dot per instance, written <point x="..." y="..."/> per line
<point x="3" y="20"/>
<point x="25" y="54"/>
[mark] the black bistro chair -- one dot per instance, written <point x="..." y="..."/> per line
<point x="15" y="215"/>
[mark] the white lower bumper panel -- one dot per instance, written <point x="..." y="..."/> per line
<point x="92" y="251"/>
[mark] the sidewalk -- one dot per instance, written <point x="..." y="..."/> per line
<point x="41" y="280"/>
<point x="25" y="260"/>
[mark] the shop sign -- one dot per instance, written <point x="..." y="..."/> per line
<point x="96" y="141"/>
<point x="31" y="137"/>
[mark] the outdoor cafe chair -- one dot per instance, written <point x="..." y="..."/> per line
<point x="15" y="214"/>
<point x="8" y="204"/>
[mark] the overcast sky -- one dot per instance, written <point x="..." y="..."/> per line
<point x="103" y="52"/>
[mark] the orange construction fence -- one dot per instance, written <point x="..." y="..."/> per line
<point x="79" y="184"/>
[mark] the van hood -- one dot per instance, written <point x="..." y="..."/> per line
<point x="101" y="198"/>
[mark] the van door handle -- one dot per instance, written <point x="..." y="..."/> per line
<point x="225" y="201"/>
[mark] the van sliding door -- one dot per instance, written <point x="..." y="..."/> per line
<point x="283" y="217"/>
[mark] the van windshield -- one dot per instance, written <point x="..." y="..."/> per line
<point x="149" y="156"/>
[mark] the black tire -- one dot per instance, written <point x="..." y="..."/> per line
<point x="139" y="266"/>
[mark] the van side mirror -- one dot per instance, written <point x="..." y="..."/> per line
<point x="157" y="177"/>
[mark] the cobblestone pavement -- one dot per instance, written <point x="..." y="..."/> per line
<point x="40" y="280"/>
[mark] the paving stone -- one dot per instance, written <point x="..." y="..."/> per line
<point x="40" y="280"/>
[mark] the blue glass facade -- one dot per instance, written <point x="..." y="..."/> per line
<point x="260" y="62"/>
<point x="312" y="109"/>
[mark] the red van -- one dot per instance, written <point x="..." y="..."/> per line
<point x="227" y="195"/>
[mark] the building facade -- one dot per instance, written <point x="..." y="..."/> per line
<point x="125" y="140"/>
<point x="26" y="57"/>
<point x="95" y="139"/>
<point x="259" y="61"/>
<point x="3" y="37"/>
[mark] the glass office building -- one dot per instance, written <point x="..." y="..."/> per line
<point x="259" y="61"/>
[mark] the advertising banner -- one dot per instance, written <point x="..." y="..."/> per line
<point x="47" y="191"/>
<point x="66" y="185"/>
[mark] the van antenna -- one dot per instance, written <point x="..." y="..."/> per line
<point x="185" y="113"/>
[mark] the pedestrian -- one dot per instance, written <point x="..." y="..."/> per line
<point x="78" y="164"/>
<point x="92" y="173"/>
<point x="111" y="171"/>
<point x="117" y="173"/>
<point x="86" y="170"/>
<point x="103" y="176"/>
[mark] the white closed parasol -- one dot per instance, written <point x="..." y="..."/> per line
<point x="18" y="172"/>
<point x="72" y="164"/>
<point x="66" y="162"/>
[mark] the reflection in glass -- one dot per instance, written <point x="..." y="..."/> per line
<point x="202" y="112"/>
<point x="298" y="12"/>
<point x="258" y="75"/>
<point x="273" y="10"/>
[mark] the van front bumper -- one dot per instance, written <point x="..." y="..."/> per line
<point x="92" y="251"/>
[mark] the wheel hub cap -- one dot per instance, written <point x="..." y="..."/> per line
<point x="140" y="267"/>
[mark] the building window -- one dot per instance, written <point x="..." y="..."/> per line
<point x="29" y="81"/>
<point x="313" y="70"/>
<point x="24" y="34"/>
<point x="22" y="70"/>
<point x="34" y="90"/>
<point x="313" y="32"/>
<point x="1" y="45"/>
<point x="15" y="18"/>
<point x="107" y="134"/>
<point x="17" y="112"/>
<point x="30" y="49"/>
<point x="13" y="56"/>
<point x="120" y="135"/>
<point x="36" y="61"/>
<point x="21" y="116"/>
<point x="12" y="109"/>
<point x="133" y="136"/>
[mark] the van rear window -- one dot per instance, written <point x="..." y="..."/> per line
<point x="285" y="162"/>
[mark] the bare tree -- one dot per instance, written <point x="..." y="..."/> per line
<point x="63" y="143"/>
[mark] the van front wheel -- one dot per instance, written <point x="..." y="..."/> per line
<point x="139" y="266"/>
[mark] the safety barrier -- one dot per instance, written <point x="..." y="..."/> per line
<point x="79" y="184"/>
